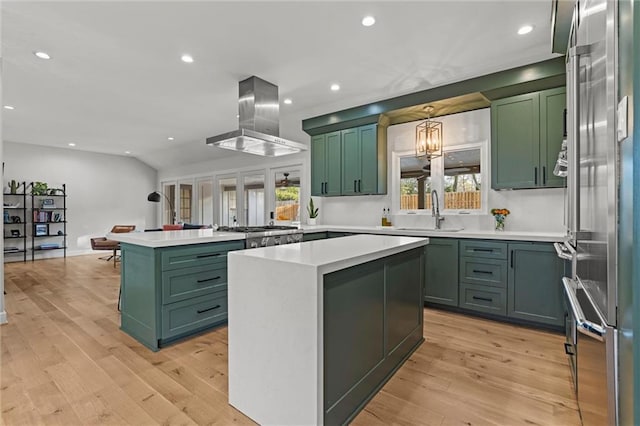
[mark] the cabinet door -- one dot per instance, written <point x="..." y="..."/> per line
<point x="535" y="284"/>
<point x="333" y="164"/>
<point x="350" y="161"/>
<point x="441" y="271"/>
<point x="515" y="140"/>
<point x="552" y="105"/>
<point x="318" y="164"/>
<point x="368" y="137"/>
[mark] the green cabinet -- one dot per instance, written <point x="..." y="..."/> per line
<point x="441" y="271"/>
<point x="372" y="322"/>
<point x="348" y="162"/>
<point x="312" y="236"/>
<point x="535" y="283"/>
<point x="326" y="154"/>
<point x="172" y="292"/>
<point x="359" y="161"/>
<point x="526" y="136"/>
<point x="483" y="276"/>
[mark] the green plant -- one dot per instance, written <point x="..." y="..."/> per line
<point x="39" y="188"/>
<point x="312" y="210"/>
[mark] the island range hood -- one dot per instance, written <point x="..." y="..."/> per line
<point x="258" y="109"/>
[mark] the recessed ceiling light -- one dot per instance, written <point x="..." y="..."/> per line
<point x="71" y="144"/>
<point x="170" y="138"/>
<point x="127" y="152"/>
<point x="368" y="21"/>
<point x="335" y="87"/>
<point x="525" y="29"/>
<point x="187" y="58"/>
<point x="9" y="107"/>
<point x="288" y="101"/>
<point x="42" y="55"/>
<point x="237" y="115"/>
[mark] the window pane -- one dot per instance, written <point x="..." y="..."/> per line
<point x="205" y="202"/>
<point x="168" y="212"/>
<point x="287" y="195"/>
<point x="254" y="200"/>
<point x="186" y="197"/>
<point x="462" y="181"/>
<point x="415" y="183"/>
<point x="228" y="213"/>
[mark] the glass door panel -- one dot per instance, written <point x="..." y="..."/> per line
<point x="168" y="211"/>
<point x="287" y="195"/>
<point x="228" y="201"/>
<point x="186" y="200"/>
<point x="253" y="200"/>
<point x="205" y="202"/>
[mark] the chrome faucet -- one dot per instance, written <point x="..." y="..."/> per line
<point x="435" y="209"/>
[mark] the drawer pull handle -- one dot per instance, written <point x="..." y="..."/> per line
<point x="486" y="299"/>
<point x="201" y="311"/>
<point x="482" y="272"/>
<point x="209" y="279"/>
<point x="568" y="349"/>
<point x="482" y="249"/>
<point x="200" y="256"/>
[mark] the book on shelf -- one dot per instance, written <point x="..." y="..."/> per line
<point x="9" y="249"/>
<point x="46" y="216"/>
<point x="48" y="246"/>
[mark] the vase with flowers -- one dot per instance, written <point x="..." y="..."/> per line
<point x="500" y="215"/>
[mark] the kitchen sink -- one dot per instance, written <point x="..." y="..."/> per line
<point x="431" y="229"/>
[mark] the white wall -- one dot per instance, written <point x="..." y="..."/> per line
<point x="531" y="210"/>
<point x="102" y="190"/>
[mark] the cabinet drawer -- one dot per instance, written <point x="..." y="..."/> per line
<point x="198" y="255"/>
<point x="191" y="314"/>
<point x="181" y="284"/>
<point x="482" y="271"/>
<point x="484" y="299"/>
<point x="486" y="249"/>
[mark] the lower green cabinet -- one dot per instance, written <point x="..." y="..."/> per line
<point x="535" y="289"/>
<point x="518" y="280"/>
<point x="441" y="271"/>
<point x="172" y="292"/>
<point x="372" y="322"/>
<point x="312" y="236"/>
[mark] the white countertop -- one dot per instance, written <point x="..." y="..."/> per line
<point x="464" y="233"/>
<point x="336" y="253"/>
<point x="200" y="236"/>
<point x="175" y="238"/>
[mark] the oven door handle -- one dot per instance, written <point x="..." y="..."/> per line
<point x="585" y="327"/>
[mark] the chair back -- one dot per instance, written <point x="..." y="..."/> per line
<point x="121" y="229"/>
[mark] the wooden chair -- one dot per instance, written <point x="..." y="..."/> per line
<point x="103" y="243"/>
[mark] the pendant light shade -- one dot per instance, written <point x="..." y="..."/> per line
<point x="429" y="137"/>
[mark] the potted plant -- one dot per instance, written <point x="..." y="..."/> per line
<point x="313" y="212"/>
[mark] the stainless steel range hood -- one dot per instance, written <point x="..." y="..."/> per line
<point x="258" y="109"/>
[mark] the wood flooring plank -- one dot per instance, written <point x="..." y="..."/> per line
<point x="66" y="361"/>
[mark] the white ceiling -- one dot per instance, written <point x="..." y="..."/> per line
<point x="116" y="83"/>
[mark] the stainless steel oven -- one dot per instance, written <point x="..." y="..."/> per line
<point x="268" y="235"/>
<point x="593" y="356"/>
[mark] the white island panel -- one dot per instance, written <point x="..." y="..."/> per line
<point x="175" y="238"/>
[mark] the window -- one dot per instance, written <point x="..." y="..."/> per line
<point x="457" y="176"/>
<point x="287" y="195"/>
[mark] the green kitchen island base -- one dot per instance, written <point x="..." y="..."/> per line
<point x="317" y="328"/>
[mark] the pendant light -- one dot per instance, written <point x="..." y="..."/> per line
<point x="429" y="137"/>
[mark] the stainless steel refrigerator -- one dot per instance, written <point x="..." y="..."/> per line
<point x="591" y="208"/>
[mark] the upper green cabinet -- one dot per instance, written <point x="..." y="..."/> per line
<point x="526" y="136"/>
<point x="348" y="162"/>
<point x="325" y="164"/>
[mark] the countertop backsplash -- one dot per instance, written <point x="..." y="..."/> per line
<point x="532" y="210"/>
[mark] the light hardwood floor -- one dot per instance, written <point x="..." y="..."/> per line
<point x="65" y="361"/>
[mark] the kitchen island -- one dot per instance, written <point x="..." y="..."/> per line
<point x="316" y="328"/>
<point x="173" y="283"/>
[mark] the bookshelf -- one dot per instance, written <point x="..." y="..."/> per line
<point x="48" y="220"/>
<point x="15" y="222"/>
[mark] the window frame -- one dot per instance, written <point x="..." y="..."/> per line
<point x="437" y="179"/>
